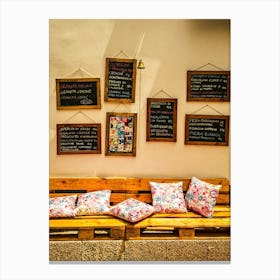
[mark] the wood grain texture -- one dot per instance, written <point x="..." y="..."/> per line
<point x="160" y="226"/>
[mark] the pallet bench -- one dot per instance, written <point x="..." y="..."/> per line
<point x="158" y="226"/>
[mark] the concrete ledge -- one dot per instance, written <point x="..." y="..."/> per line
<point x="140" y="250"/>
<point x="65" y="251"/>
<point x="198" y="250"/>
<point x="103" y="250"/>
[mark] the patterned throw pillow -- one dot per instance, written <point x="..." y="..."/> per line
<point x="201" y="197"/>
<point x="132" y="210"/>
<point x="97" y="202"/>
<point x="62" y="206"/>
<point x="168" y="197"/>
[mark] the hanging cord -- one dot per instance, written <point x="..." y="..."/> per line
<point x="207" y="65"/>
<point x="209" y="107"/>
<point x="164" y="92"/>
<point x="121" y="52"/>
<point x="79" y="112"/>
<point x="77" y="70"/>
<point x="124" y="104"/>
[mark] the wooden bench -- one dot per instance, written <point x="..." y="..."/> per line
<point x="158" y="226"/>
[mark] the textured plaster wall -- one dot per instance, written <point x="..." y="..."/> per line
<point x="78" y="48"/>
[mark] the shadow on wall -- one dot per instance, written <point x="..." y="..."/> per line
<point x="213" y="25"/>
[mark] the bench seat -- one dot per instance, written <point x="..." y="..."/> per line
<point x="158" y="226"/>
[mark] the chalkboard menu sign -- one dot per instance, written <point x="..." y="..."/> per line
<point x="208" y="86"/>
<point x="206" y="130"/>
<point x="120" y="77"/>
<point x="161" y="119"/>
<point x="78" y="139"/>
<point x="121" y="133"/>
<point x="78" y="93"/>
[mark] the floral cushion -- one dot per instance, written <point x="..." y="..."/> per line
<point x="168" y="197"/>
<point x="97" y="202"/>
<point x="62" y="206"/>
<point x="132" y="210"/>
<point x="201" y="197"/>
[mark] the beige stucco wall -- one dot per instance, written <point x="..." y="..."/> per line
<point x="169" y="48"/>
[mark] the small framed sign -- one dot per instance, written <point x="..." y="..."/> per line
<point x="120" y="79"/>
<point x="83" y="93"/>
<point x="78" y="138"/>
<point x="206" y="130"/>
<point x="161" y="119"/>
<point x="121" y="133"/>
<point x="208" y="86"/>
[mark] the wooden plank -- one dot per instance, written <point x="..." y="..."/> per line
<point x="160" y="228"/>
<point x="144" y="197"/>
<point x="132" y="232"/>
<point x="189" y="214"/>
<point x="184" y="222"/>
<point x="86" y="234"/>
<point x="144" y="183"/>
<point x="89" y="184"/>
<point x="123" y="184"/>
<point x="117" y="232"/>
<point x="223" y="199"/>
<point x="186" y="233"/>
<point x="63" y="238"/>
<point x="85" y="223"/>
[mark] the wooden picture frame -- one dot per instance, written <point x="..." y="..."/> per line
<point x="121" y="134"/>
<point x="78" y="138"/>
<point x="120" y="80"/>
<point x="81" y="93"/>
<point x="208" y="86"/>
<point x="207" y="130"/>
<point x="161" y="121"/>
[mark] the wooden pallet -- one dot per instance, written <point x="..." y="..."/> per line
<point x="182" y="226"/>
<point x="158" y="226"/>
<point x="87" y="228"/>
<point x="124" y="188"/>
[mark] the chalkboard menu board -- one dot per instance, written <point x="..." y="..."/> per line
<point x="161" y="119"/>
<point x="208" y="86"/>
<point x="120" y="77"/>
<point x="78" y="139"/>
<point x="206" y="130"/>
<point x="78" y="93"/>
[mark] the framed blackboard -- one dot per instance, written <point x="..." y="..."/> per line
<point x="206" y="130"/>
<point x="121" y="133"/>
<point x="78" y="138"/>
<point x="78" y="93"/>
<point x="161" y="119"/>
<point x="120" y="79"/>
<point x="208" y="86"/>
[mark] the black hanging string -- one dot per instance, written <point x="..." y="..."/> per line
<point x="207" y="65"/>
<point x="209" y="107"/>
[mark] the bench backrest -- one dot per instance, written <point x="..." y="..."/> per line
<point x="123" y="188"/>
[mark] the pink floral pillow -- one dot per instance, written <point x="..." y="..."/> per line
<point x="201" y="197"/>
<point x="168" y="197"/>
<point x="62" y="206"/>
<point x="132" y="210"/>
<point x="97" y="202"/>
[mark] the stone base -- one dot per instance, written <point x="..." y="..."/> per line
<point x="140" y="250"/>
